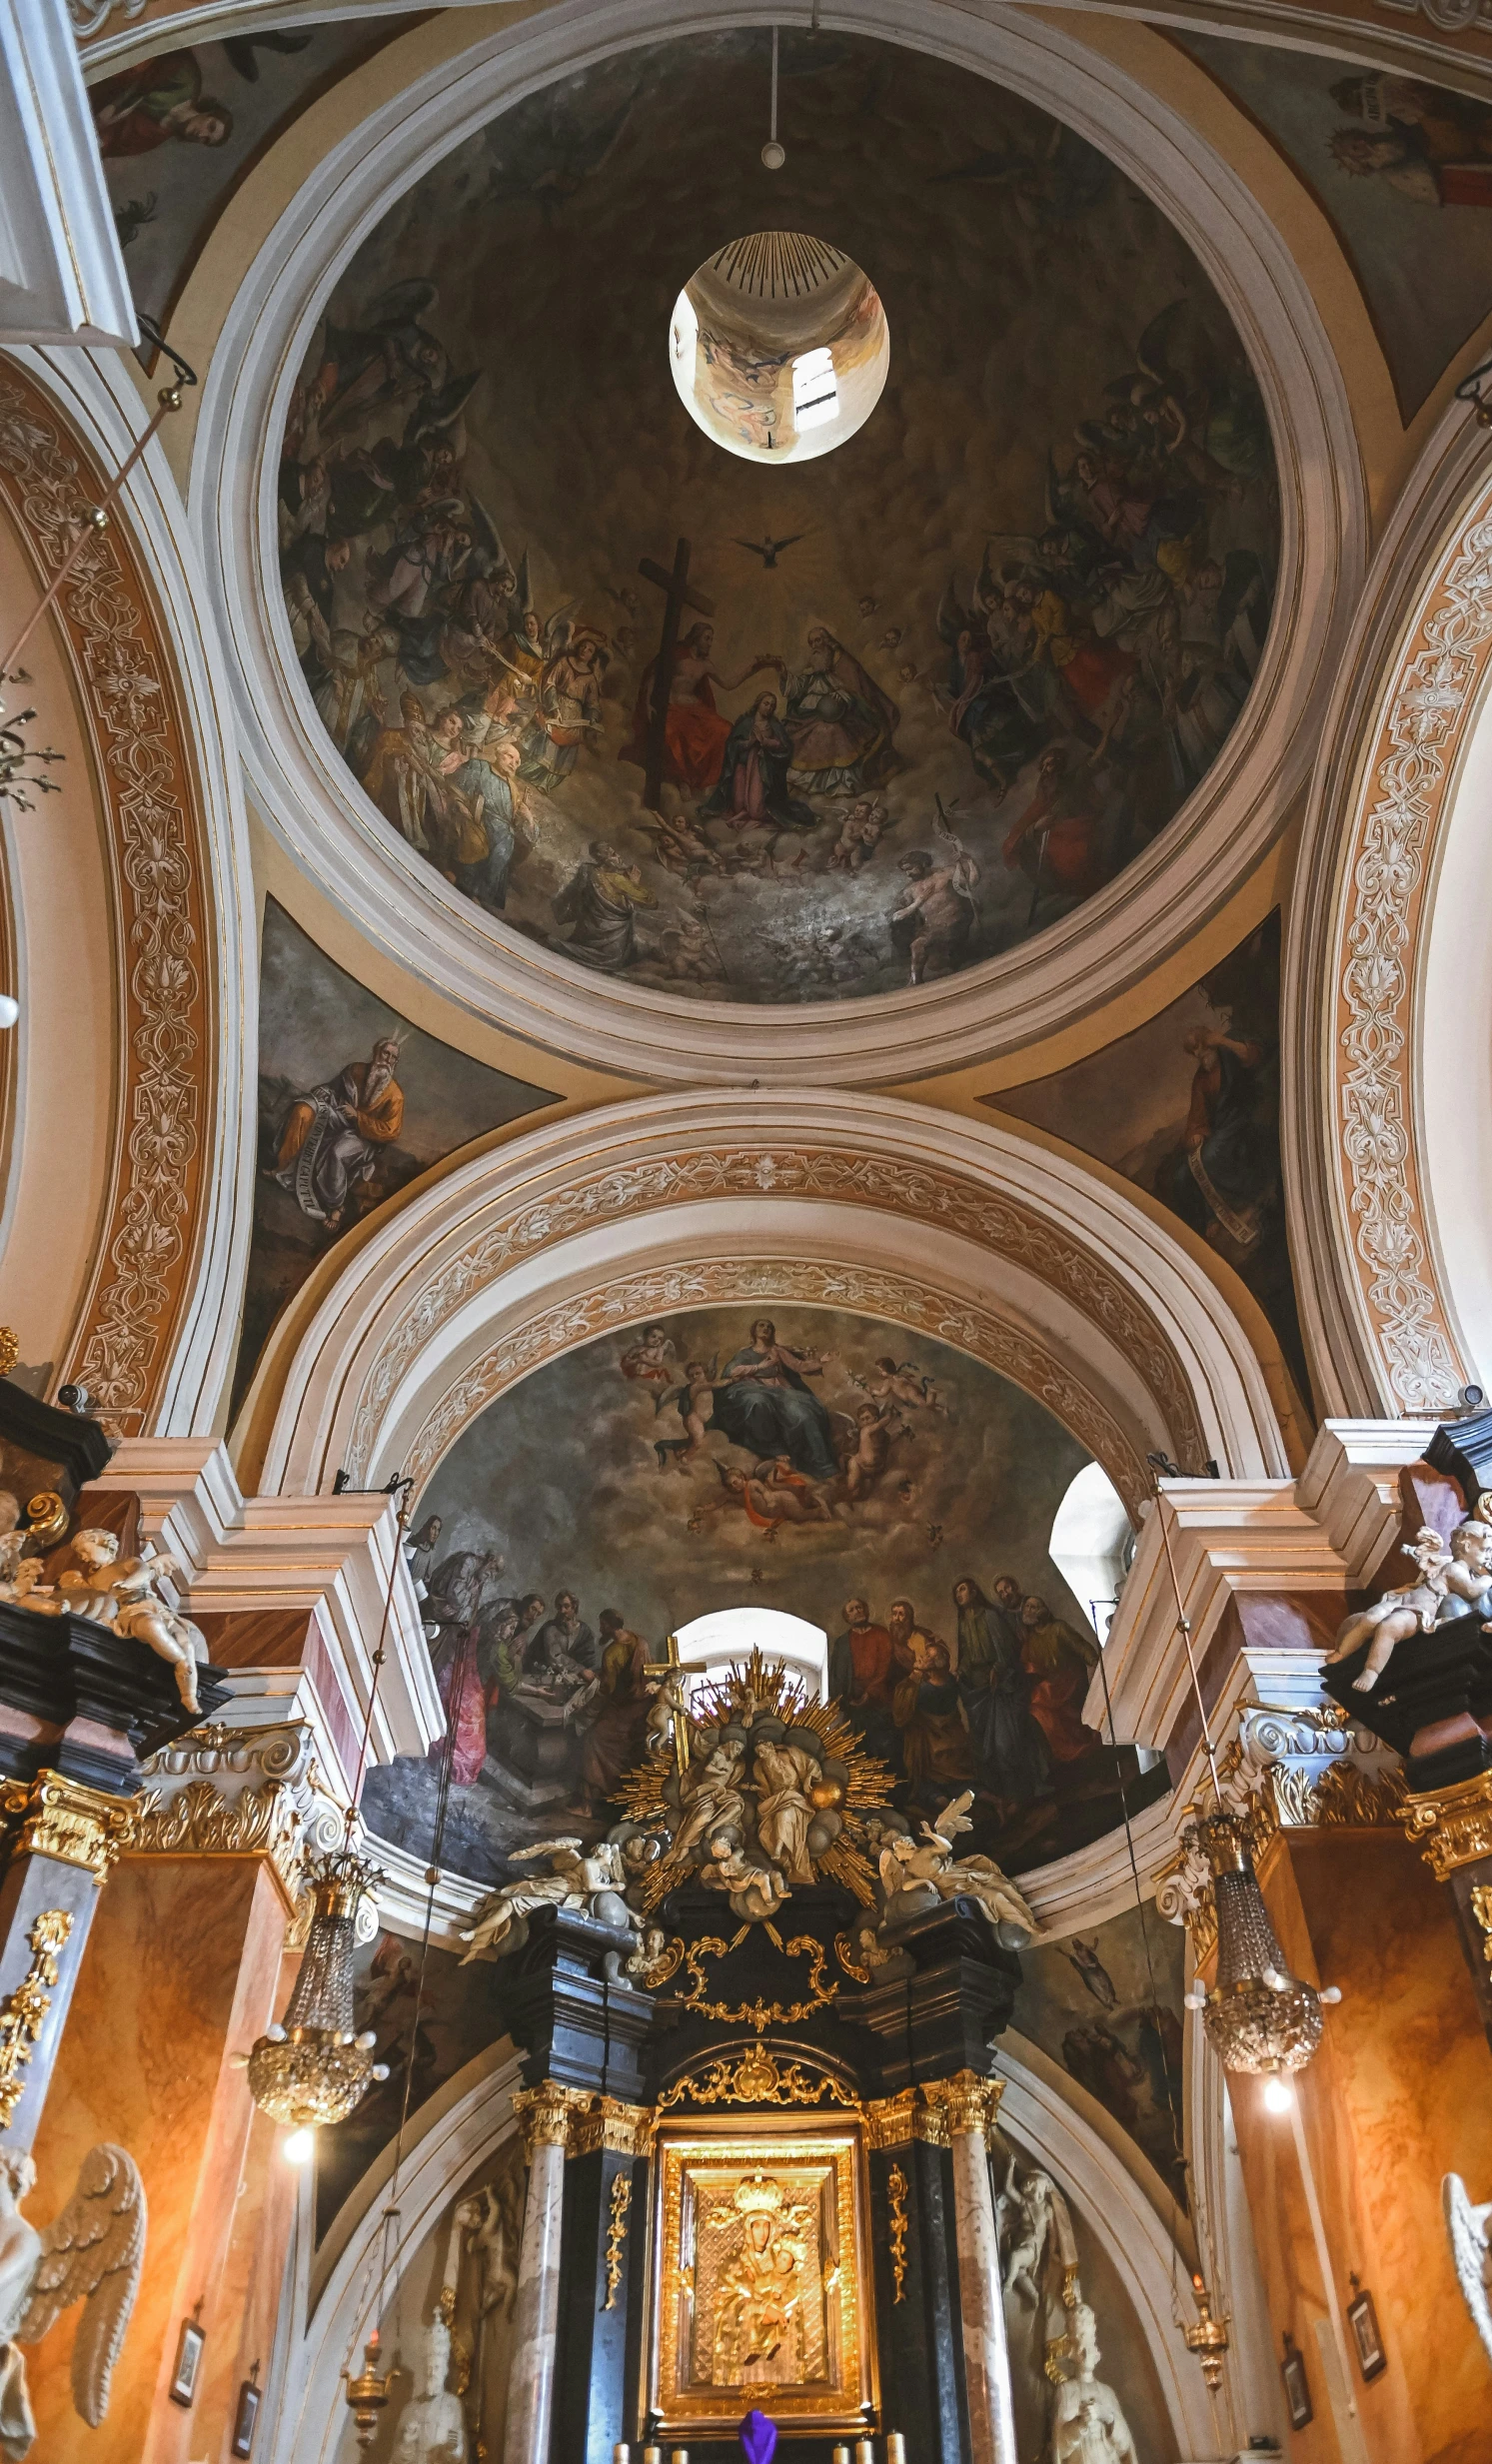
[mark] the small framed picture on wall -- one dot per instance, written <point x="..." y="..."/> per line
<point x="1362" y="2318"/>
<point x="1297" y="2388"/>
<point x="188" y="2360"/>
<point x="245" y="2420"/>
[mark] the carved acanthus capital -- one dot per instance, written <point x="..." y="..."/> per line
<point x="971" y="2103"/>
<point x="1452" y="1828"/>
<point x="544" y="2114"/>
<point x="605" y="2121"/>
<point x="247" y="1791"/>
<point x="52" y="1815"/>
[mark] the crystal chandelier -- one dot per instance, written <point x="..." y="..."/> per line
<point x="1257" y="2016"/>
<point x="314" y="2067"/>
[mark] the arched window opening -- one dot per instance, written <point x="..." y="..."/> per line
<point x="726" y="1638"/>
<point x="1092" y="1544"/>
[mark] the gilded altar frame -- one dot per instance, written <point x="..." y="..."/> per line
<point x="709" y="2178"/>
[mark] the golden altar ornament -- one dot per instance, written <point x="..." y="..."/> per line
<point x="761" y="2282"/>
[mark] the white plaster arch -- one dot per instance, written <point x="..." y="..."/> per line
<point x="1164" y="895"/>
<point x="1382" y="1010"/>
<point x="188" y="1381"/>
<point x="854" y="1201"/>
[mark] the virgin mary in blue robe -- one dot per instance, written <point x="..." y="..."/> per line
<point x="765" y="1404"/>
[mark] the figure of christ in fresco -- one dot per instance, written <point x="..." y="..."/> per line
<point x="753" y="790"/>
<point x="1010" y="1752"/>
<point x="332" y="1136"/>
<point x="1059" y="1662"/>
<point x="695" y="733"/>
<point x="765" y="1404"/>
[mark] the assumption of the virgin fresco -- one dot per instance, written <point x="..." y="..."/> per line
<point x="934" y="689"/>
<point x="889" y="1489"/>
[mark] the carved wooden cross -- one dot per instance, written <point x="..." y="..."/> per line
<point x="676" y="596"/>
<point x="673" y="1666"/>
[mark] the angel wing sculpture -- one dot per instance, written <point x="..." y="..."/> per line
<point x="1467" y="2229"/>
<point x="93" y="2253"/>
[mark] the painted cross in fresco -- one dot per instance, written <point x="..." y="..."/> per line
<point x="676" y="596"/>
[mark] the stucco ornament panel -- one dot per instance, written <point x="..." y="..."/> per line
<point x="1434" y="695"/>
<point x="121" y="1349"/>
<point x="900" y="1298"/>
<point x="999" y="1223"/>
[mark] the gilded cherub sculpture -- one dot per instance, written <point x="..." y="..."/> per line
<point x="93" y="2253"/>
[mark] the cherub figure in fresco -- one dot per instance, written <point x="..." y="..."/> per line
<point x="695" y="1401"/>
<point x="902" y="1382"/>
<point x="650" y="1358"/>
<point x="877" y="1429"/>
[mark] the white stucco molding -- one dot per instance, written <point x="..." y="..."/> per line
<point x="1163" y="897"/>
<point x="101" y="403"/>
<point x="1383" y="1329"/>
<point x="852" y="1201"/>
<point x="62" y="276"/>
<point x="328" y="1558"/>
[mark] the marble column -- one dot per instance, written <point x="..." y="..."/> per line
<point x="68" y="1837"/>
<point x="544" y="2118"/>
<point x="971" y="2104"/>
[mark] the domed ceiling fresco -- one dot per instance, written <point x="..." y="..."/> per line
<point x="932" y="689"/>
<point x="882" y="1484"/>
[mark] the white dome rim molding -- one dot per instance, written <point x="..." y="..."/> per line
<point x="1382" y="1331"/>
<point x="1163" y="896"/>
<point x="542" y="1228"/>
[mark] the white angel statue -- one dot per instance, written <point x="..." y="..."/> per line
<point x="93" y="2253"/>
<point x="120" y="1592"/>
<point x="908" y="1867"/>
<point x="593" y="1883"/>
<point x="1467" y="2228"/>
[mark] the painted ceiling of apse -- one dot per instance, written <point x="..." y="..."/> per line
<point x="354" y="1103"/>
<point x="950" y="679"/>
<point x="1404" y="172"/>
<point x="705" y="1461"/>
<point x="1187" y="1107"/>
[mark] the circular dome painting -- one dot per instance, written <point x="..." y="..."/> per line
<point x="796" y="732"/>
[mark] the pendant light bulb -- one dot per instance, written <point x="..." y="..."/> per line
<point x="299" y="2148"/>
<point x="1279" y="2097"/>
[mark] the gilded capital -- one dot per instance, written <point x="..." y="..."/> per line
<point x="605" y="2121"/>
<point x="52" y="1815"/>
<point x="544" y="2114"/>
<point x="1452" y="1826"/>
<point x="969" y="2102"/>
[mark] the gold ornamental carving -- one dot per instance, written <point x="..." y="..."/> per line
<point x="895" y="2182"/>
<point x="971" y="2104"/>
<point x="896" y="2121"/>
<point x="617" y="2236"/>
<point x="202" y="1822"/>
<point x="23" y="2013"/>
<point x="758" y="2014"/>
<point x="605" y="2121"/>
<point x="10" y="1350"/>
<point x="758" y="2077"/>
<point x="1452" y="1827"/>
<point x="60" y="1817"/>
<point x="543" y="2115"/>
<point x="760" y="2279"/>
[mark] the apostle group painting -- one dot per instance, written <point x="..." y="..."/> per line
<point x="927" y="694"/>
<point x="874" y="1481"/>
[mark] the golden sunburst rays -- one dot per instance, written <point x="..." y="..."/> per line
<point x="759" y="1688"/>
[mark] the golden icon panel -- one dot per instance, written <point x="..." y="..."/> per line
<point x="759" y="2283"/>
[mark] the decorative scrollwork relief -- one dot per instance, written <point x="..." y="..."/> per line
<point x="1434" y="697"/>
<point x="122" y="671"/>
<point x="999" y="1223"/>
